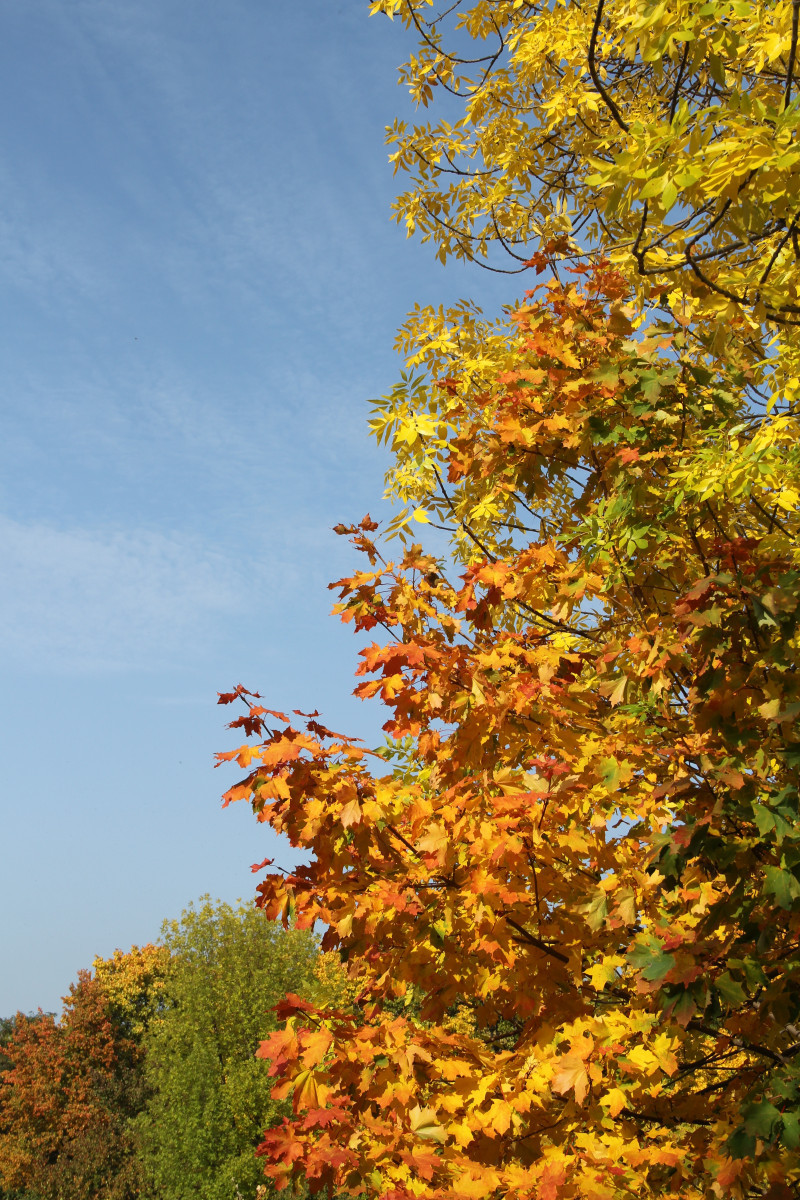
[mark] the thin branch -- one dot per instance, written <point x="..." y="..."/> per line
<point x="610" y="105"/>
<point x="532" y="940"/>
<point x="676" y="94"/>
<point x="792" y="52"/>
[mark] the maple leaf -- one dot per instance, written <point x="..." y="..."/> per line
<point x="614" y="1100"/>
<point x="265" y="862"/>
<point x="571" y="1075"/>
<point x="351" y="813"/>
<point x="315" y="1045"/>
<point x="290" y="1005"/>
<point x="425" y="1124"/>
<point x="435" y="840"/>
<point x="308" y="1092"/>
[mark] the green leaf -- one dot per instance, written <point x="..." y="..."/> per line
<point x="783" y="828"/>
<point x="596" y="910"/>
<point x="610" y="772"/>
<point x="651" y="958"/>
<point x="741" y="1144"/>
<point x="753" y="972"/>
<point x="685" y="1007"/>
<point x="763" y="819"/>
<point x="730" y="990"/>
<point x="791" y="1130"/>
<point x="659" y="966"/>
<point x="762" y="1120"/>
<point x="782" y="885"/>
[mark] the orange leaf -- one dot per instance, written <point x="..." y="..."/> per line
<point x="571" y="1075"/>
<point x="351" y="813"/>
<point x="315" y="1045"/>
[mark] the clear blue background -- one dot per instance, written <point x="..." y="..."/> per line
<point x="200" y="288"/>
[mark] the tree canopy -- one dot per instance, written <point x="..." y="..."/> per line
<point x="209" y="1095"/>
<point x="73" y="1085"/>
<point x="664" y="135"/>
<point x="569" y="887"/>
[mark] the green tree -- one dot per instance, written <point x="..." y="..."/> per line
<point x="210" y="1095"/>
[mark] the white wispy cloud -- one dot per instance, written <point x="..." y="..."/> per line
<point x="82" y="600"/>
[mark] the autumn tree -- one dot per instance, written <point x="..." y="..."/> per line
<point x="569" y="889"/>
<point x="662" y="135"/>
<point x="73" y="1085"/>
<point x="7" y="1025"/>
<point x="209" y="1095"/>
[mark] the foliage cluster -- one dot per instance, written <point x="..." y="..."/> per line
<point x="67" y="1099"/>
<point x="148" y="1084"/>
<point x="209" y="1095"/>
<point x="661" y="134"/>
<point x="568" y="891"/>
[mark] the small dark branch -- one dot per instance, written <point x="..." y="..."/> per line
<point x="532" y="940"/>
<point x="561" y="626"/>
<point x="723" y="533"/>
<point x="539" y="1129"/>
<point x="452" y="169"/>
<point x="715" y="287"/>
<point x="739" y="1042"/>
<point x="638" y="253"/>
<point x="503" y="241"/>
<point x="541" y="617"/>
<point x="458" y="171"/>
<point x="670" y="1122"/>
<point x="400" y="838"/>
<point x="771" y="517"/>
<point x="792" y="52"/>
<point x="461" y="233"/>
<point x="715" y="1057"/>
<point x="731" y="248"/>
<point x="676" y="94"/>
<point x="461" y="62"/>
<point x="779" y="246"/>
<point x="474" y="537"/>
<point x="609" y="103"/>
<point x="714" y="221"/>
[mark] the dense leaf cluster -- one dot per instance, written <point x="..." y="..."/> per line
<point x="662" y="134"/>
<point x="148" y="1085"/>
<point x="569" y="890"/>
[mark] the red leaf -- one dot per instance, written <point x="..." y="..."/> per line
<point x="267" y="862"/>
<point x="291" y="1005"/>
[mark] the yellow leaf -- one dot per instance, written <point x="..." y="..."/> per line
<point x="351" y="813"/>
<point x="605" y="971"/>
<point x="434" y="840"/>
<point x="571" y="1075"/>
<point x="614" y="1100"/>
<point x="500" y="1116"/>
<point x="425" y="1124"/>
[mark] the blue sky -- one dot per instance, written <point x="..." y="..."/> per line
<point x="200" y="288"/>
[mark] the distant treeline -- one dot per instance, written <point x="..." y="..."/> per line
<point x="148" y="1086"/>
